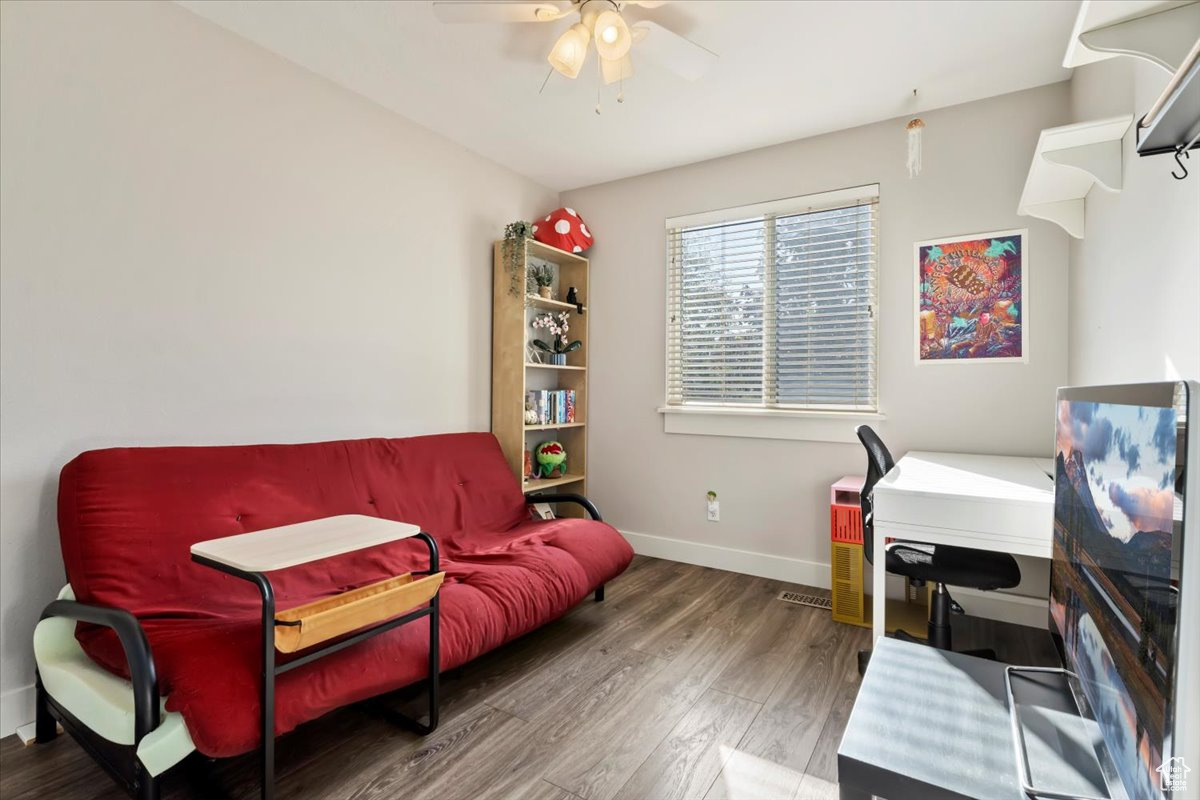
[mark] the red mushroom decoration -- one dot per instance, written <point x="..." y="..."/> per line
<point x="563" y="229"/>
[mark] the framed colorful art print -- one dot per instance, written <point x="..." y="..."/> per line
<point x="971" y="300"/>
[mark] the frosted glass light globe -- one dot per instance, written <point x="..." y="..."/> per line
<point x="613" y="37"/>
<point x="570" y="50"/>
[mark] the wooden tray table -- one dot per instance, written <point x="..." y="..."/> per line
<point x="343" y="620"/>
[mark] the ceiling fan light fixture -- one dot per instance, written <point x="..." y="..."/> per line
<point x="570" y="51"/>
<point x="613" y="37"/>
<point x="619" y="70"/>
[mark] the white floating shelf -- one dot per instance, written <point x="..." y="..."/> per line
<point x="1178" y="121"/>
<point x="1159" y="31"/>
<point x="1067" y="163"/>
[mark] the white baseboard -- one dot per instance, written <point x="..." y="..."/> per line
<point x="1018" y="609"/>
<point x="747" y="562"/>
<point x="1014" y="608"/>
<point x="16" y="709"/>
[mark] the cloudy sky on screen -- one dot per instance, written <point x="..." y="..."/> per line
<point x="1129" y="452"/>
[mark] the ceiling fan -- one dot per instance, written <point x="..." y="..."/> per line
<point x="601" y="21"/>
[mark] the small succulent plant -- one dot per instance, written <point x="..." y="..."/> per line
<point x="541" y="274"/>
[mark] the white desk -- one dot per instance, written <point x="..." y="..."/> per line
<point x="999" y="503"/>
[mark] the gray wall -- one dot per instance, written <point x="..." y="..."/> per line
<point x="205" y="244"/>
<point x="1135" y="277"/>
<point x="774" y="494"/>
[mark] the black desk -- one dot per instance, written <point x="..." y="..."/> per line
<point x="933" y="725"/>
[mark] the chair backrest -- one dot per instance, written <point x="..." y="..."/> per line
<point x="879" y="461"/>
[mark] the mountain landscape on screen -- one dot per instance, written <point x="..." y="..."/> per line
<point x="1112" y="601"/>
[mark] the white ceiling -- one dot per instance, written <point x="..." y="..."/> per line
<point x="787" y="70"/>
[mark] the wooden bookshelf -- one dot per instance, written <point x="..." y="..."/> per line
<point x="537" y="301"/>
<point x="539" y="484"/>
<point x="513" y="374"/>
<point x="551" y="366"/>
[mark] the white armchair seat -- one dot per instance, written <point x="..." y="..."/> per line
<point x="100" y="700"/>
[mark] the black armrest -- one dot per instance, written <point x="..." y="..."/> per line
<point x="137" y="653"/>
<point x="433" y="551"/>
<point x="577" y="499"/>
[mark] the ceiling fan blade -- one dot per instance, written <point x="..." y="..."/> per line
<point x="646" y="3"/>
<point x="682" y="56"/>
<point x="500" y="10"/>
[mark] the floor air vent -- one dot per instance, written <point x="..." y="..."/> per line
<point x="814" y="600"/>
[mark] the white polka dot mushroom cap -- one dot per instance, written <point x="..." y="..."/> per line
<point x="567" y="231"/>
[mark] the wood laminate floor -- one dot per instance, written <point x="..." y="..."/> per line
<point x="686" y="683"/>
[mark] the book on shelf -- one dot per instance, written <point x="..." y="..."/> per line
<point x="553" y="406"/>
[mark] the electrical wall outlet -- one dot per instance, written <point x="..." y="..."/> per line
<point x="714" y="507"/>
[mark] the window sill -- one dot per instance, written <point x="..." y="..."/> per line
<point x="767" y="423"/>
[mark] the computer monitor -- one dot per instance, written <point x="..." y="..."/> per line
<point x="1123" y="580"/>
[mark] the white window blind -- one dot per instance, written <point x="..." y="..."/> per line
<point x="773" y="306"/>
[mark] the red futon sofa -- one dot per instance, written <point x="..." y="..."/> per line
<point x="128" y="516"/>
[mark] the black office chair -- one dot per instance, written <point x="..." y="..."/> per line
<point x="940" y="563"/>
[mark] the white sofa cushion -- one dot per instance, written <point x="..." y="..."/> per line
<point x="100" y="700"/>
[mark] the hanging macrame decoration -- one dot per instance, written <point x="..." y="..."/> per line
<point x="915" y="127"/>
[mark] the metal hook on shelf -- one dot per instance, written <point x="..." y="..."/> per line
<point x="1180" y="151"/>
<point x="1184" y="148"/>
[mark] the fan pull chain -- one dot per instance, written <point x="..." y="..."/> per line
<point x="599" y="83"/>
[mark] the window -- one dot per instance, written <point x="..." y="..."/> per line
<point x="773" y="306"/>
